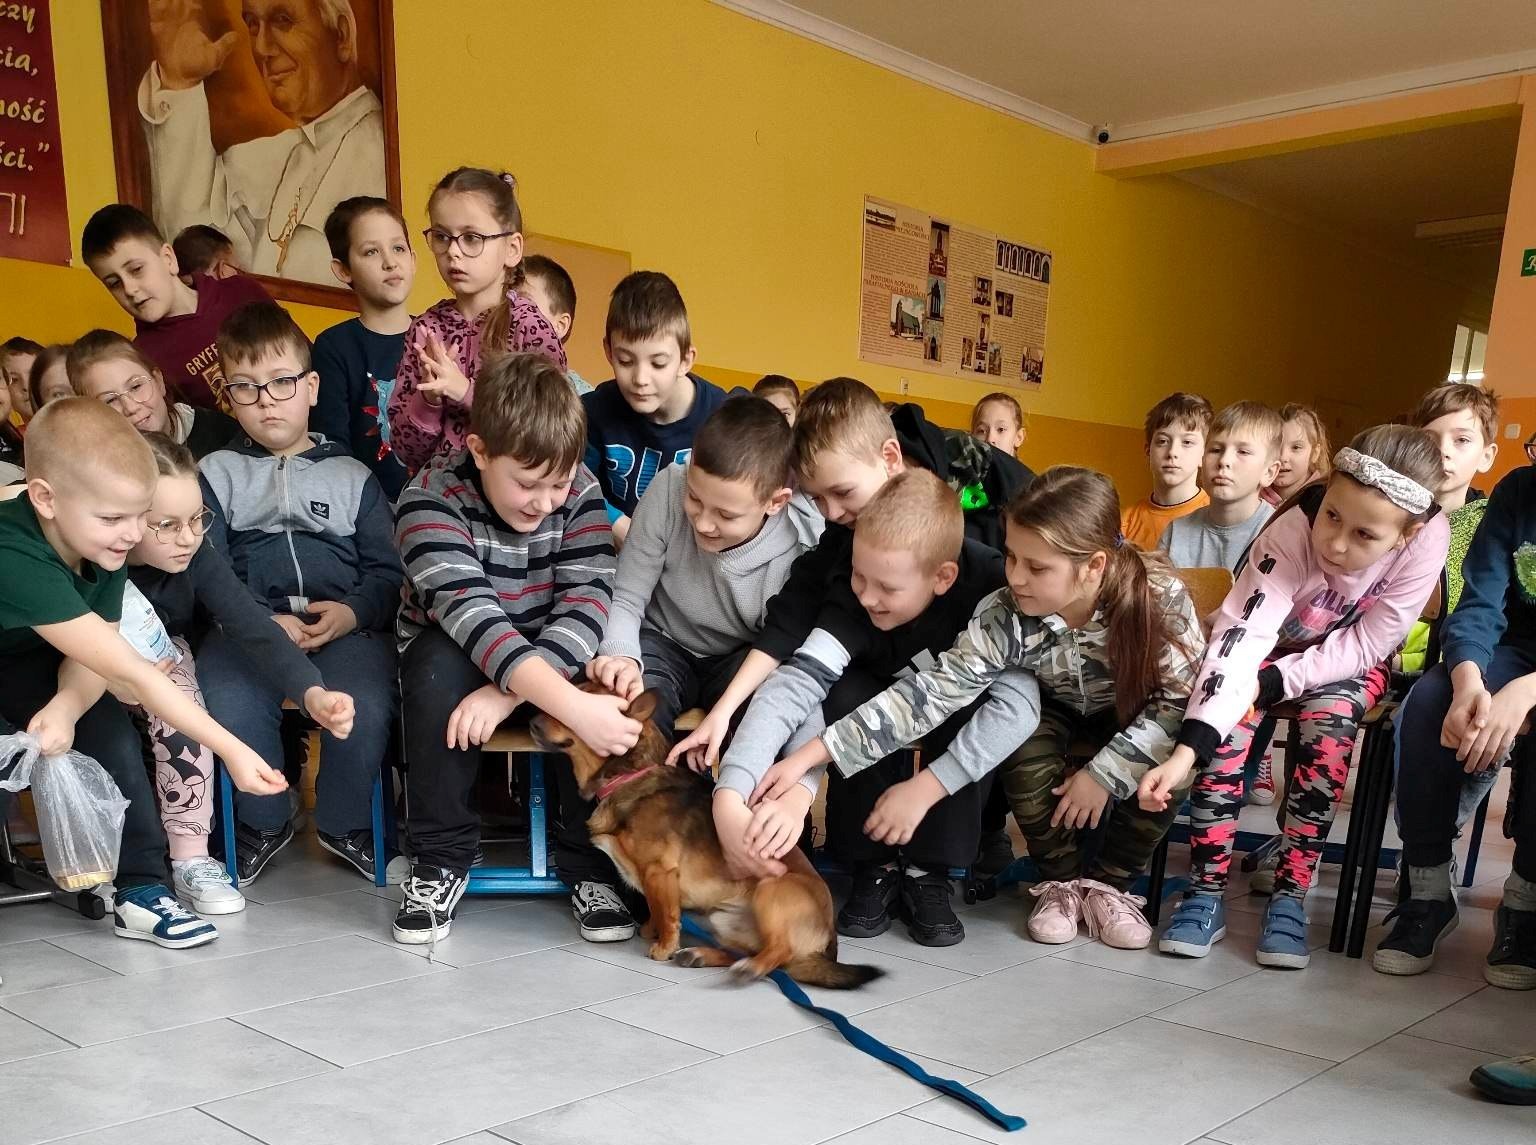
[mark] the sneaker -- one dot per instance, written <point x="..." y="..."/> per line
<point x="1055" y="917"/>
<point x="1512" y="961"/>
<point x="1283" y="941"/>
<point x="254" y="849"/>
<point x="1262" y="881"/>
<point x="601" y="913"/>
<point x="151" y="914"/>
<point x="356" y="849"/>
<point x="1114" y="916"/>
<point x="1199" y="923"/>
<point x="867" y="912"/>
<point x="1512" y="1081"/>
<point x="993" y="855"/>
<point x="930" y="919"/>
<point x="204" y="885"/>
<point x="428" y="899"/>
<point x="1421" y="925"/>
<point x="1262" y="791"/>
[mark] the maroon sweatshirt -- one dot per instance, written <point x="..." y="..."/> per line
<point x="183" y="347"/>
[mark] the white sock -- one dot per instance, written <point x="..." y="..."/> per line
<point x="1519" y="893"/>
<point x="1432" y="883"/>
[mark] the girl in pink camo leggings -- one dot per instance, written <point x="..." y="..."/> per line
<point x="1328" y="591"/>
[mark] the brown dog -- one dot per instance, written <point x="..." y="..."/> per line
<point x="657" y="825"/>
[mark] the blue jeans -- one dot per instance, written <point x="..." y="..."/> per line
<point x="249" y="703"/>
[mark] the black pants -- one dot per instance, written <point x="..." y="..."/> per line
<point x="441" y="821"/>
<point x="107" y="735"/>
<point x="682" y="680"/>
<point x="949" y="833"/>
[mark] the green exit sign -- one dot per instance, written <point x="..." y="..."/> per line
<point x="1528" y="263"/>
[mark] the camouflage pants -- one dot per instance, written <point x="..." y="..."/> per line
<point x="1327" y="722"/>
<point x="1119" y="851"/>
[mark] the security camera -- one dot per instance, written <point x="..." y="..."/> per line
<point x="1101" y="134"/>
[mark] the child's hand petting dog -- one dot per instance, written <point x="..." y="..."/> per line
<point x="700" y="748"/>
<point x="600" y="723"/>
<point x="901" y="808"/>
<point x="777" y="823"/>
<point x="732" y="818"/>
<point x="619" y="674"/>
<point x="478" y="716"/>
<point x="784" y="776"/>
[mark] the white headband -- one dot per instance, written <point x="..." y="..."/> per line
<point x="1404" y="492"/>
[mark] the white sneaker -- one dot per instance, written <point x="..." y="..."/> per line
<point x="203" y="884"/>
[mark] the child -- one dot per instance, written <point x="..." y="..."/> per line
<point x="998" y="420"/>
<point x="104" y="365"/>
<point x="1175" y="447"/>
<point x="1304" y="453"/>
<point x="781" y="393"/>
<point x="16" y="357"/>
<point x="62" y="550"/>
<point x="1111" y="635"/>
<point x="550" y="288"/>
<point x="509" y="571"/>
<point x="188" y="584"/>
<point x="1461" y="718"/>
<point x="476" y="237"/>
<point x="358" y="359"/>
<point x="644" y="419"/>
<point x="712" y="542"/>
<point x="204" y="250"/>
<point x="308" y="530"/>
<point x="176" y="324"/>
<point x="12" y="449"/>
<point x="1242" y="453"/>
<point x="1328" y="592"/>
<point x="916" y="580"/>
<point x="49" y="378"/>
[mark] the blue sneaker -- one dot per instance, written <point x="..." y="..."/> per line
<point x="1284" y="941"/>
<point x="1199" y="921"/>
<point x="152" y="914"/>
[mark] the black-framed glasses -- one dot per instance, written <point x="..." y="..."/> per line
<point x="278" y="389"/>
<point x="167" y="531"/>
<point x="137" y="390"/>
<point x="471" y="243"/>
<point x="1530" y="451"/>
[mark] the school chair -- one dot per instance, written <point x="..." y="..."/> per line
<point x="536" y="878"/>
<point x="381" y="808"/>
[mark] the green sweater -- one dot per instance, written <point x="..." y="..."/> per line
<point x="1464" y="523"/>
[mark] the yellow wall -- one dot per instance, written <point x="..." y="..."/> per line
<point x="736" y="157"/>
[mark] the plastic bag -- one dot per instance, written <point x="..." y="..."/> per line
<point x="79" y="810"/>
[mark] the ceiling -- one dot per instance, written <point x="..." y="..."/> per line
<point x="1146" y="67"/>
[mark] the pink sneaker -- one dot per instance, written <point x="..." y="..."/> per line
<point x="1057" y="912"/>
<point x="1262" y="793"/>
<point x="1114" y="917"/>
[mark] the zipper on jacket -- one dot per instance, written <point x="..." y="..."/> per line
<point x="282" y="476"/>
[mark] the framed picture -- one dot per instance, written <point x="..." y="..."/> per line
<point x="255" y="117"/>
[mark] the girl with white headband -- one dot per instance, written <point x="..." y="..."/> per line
<point x="1328" y="592"/>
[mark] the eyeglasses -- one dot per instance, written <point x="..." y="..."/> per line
<point x="137" y="391"/>
<point x="471" y="243"/>
<point x="167" y="531"/>
<point x="1530" y="452"/>
<point x="249" y="393"/>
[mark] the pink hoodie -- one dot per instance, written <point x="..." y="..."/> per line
<point x="1314" y="627"/>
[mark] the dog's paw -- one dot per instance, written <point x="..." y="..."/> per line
<point x="690" y="956"/>
<point x="662" y="951"/>
<point x="648" y="929"/>
<point x="744" y="971"/>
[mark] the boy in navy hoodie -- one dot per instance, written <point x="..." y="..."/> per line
<point x="644" y="419"/>
<point x="308" y="529"/>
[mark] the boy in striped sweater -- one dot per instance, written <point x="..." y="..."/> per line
<point x="509" y="576"/>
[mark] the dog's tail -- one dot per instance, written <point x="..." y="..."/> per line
<point x="819" y="970"/>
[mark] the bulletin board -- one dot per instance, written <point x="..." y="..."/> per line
<point x="595" y="270"/>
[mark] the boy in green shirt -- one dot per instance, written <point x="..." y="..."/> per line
<point x="62" y="551"/>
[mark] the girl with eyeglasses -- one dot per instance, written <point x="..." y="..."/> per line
<point x="476" y="237"/>
<point x="106" y="366"/>
<point x="188" y="583"/>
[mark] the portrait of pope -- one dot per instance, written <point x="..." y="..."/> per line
<point x="259" y="118"/>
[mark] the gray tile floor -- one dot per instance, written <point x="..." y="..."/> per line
<point x="305" y="1023"/>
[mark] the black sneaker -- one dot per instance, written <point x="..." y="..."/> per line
<point x="356" y="849"/>
<point x="993" y="855"/>
<point x="429" y="898"/>
<point x="1422" y="925"/>
<point x="868" y="909"/>
<point x="254" y="849"/>
<point x="925" y="905"/>
<point x="1512" y="961"/>
<point x="601" y="913"/>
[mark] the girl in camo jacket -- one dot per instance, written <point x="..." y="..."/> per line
<point x="1328" y="592"/>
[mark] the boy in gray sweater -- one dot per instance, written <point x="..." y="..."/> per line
<point x="710" y="544"/>
<point x="1242" y="456"/>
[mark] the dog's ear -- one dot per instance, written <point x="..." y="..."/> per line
<point x="642" y="707"/>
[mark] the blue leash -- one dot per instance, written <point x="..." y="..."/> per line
<point x="874" y="1047"/>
